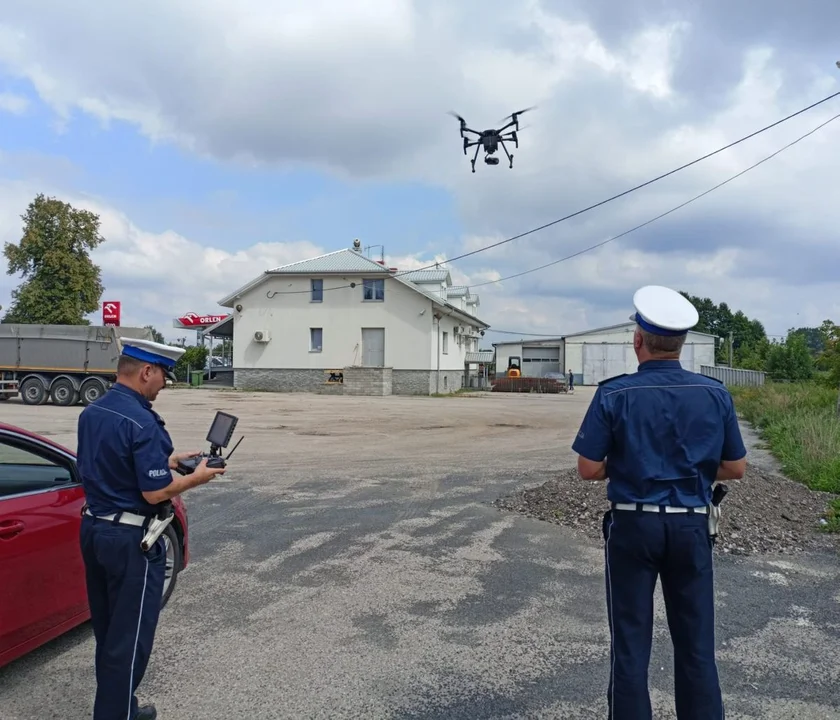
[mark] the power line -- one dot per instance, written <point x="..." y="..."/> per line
<point x="590" y="207"/>
<point x="662" y="215"/>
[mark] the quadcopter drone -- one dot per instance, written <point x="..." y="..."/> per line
<point x="491" y="139"/>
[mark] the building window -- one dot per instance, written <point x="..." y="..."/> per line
<point x="316" y="336"/>
<point x="374" y="289"/>
<point x="445" y="343"/>
<point x="317" y="290"/>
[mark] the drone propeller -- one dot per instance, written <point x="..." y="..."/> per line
<point x="514" y="116"/>
<point x="456" y="115"/>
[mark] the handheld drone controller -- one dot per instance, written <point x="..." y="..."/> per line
<point x="218" y="436"/>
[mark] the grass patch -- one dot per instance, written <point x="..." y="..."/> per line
<point x="799" y="423"/>
<point x="832" y="517"/>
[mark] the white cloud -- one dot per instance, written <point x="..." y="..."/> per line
<point x="12" y="103"/>
<point x="363" y="87"/>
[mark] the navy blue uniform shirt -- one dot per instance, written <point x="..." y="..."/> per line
<point x="123" y="451"/>
<point x="664" y="431"/>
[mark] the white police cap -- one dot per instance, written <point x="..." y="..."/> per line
<point x="663" y="311"/>
<point x="153" y="352"/>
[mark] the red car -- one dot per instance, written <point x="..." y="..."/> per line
<point x="42" y="576"/>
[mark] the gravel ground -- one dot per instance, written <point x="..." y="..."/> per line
<point x="763" y="513"/>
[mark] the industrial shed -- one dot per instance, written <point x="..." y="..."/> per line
<point x="538" y="357"/>
<point x="595" y="355"/>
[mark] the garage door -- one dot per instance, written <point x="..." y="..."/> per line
<point x="606" y="360"/>
<point x="537" y="361"/>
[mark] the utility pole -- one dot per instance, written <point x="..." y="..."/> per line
<point x="731" y="351"/>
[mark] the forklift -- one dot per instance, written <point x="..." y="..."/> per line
<point x="514" y="368"/>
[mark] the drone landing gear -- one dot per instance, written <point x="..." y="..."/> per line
<point x="510" y="157"/>
<point x="475" y="157"/>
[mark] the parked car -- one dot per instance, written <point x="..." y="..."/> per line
<point x="42" y="575"/>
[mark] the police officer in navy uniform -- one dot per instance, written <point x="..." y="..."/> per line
<point x="125" y="458"/>
<point x="662" y="436"/>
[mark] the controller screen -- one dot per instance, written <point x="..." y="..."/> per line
<point x="221" y="429"/>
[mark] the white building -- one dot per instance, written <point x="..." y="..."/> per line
<point x="595" y="355"/>
<point x="400" y="333"/>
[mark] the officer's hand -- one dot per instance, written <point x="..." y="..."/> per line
<point x="174" y="458"/>
<point x="206" y="474"/>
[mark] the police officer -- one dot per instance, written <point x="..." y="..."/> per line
<point x="125" y="458"/>
<point x="662" y="436"/>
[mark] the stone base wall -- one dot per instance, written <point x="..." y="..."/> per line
<point x="285" y="380"/>
<point x="368" y="380"/>
<point x="450" y="381"/>
<point x="412" y="382"/>
<point x="357" y="381"/>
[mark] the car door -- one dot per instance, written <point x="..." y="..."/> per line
<point x="42" y="588"/>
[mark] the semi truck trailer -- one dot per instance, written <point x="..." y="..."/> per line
<point x="62" y="364"/>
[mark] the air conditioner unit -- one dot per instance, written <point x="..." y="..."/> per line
<point x="262" y="336"/>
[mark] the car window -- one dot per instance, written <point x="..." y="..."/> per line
<point x="22" y="470"/>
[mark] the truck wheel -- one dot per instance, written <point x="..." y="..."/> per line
<point x="91" y="390"/>
<point x="33" y="391"/>
<point x="63" y="392"/>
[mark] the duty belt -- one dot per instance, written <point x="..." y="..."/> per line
<point x="124" y="518"/>
<point x="665" y="509"/>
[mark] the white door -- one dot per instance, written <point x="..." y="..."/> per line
<point x="373" y="347"/>
<point x="606" y="360"/>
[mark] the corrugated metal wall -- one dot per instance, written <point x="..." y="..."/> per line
<point x="733" y="376"/>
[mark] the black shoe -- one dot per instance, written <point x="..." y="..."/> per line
<point x="147" y="712"/>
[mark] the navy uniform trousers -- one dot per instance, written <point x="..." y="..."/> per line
<point x="676" y="547"/>
<point x="124" y="586"/>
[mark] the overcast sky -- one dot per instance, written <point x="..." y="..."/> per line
<point x="217" y="140"/>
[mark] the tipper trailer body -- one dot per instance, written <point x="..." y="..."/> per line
<point x="62" y="364"/>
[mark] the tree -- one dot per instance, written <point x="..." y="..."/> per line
<point x="815" y="337"/>
<point x="749" y="339"/>
<point x="790" y="360"/>
<point x="195" y="358"/>
<point x="60" y="282"/>
<point x="157" y="336"/>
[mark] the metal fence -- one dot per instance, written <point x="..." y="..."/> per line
<point x="733" y="376"/>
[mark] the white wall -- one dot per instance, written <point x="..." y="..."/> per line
<point x="503" y="353"/>
<point x="342" y="314"/>
<point x="457" y="345"/>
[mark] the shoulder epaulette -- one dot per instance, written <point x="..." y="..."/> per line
<point x="610" y="379"/>
<point x="717" y="380"/>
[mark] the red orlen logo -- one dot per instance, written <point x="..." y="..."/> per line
<point x="111" y="313"/>
<point x="195" y="319"/>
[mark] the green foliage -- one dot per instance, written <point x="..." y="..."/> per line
<point x="800" y="424"/>
<point x="748" y="336"/>
<point x="829" y="359"/>
<point x="815" y="338"/>
<point x="60" y="282"/>
<point x="790" y="360"/>
<point x="223" y="349"/>
<point x="195" y="358"/>
<point x="157" y="336"/>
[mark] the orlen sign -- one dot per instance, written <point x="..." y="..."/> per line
<point x="111" y="313"/>
<point x="196" y="321"/>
